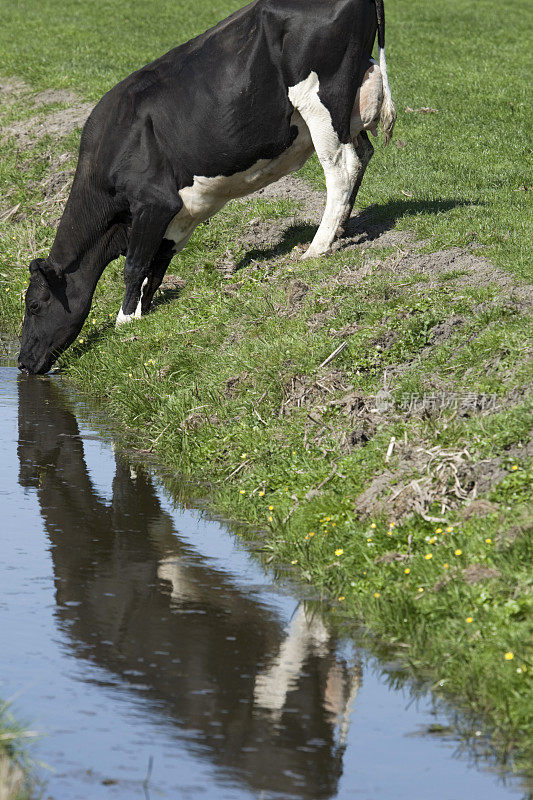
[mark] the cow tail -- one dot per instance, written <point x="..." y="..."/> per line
<point x="388" y="111"/>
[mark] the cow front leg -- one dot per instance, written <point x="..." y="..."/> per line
<point x="364" y="151"/>
<point x="148" y="229"/>
<point x="339" y="161"/>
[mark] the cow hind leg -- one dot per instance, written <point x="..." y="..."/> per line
<point x="364" y="151"/>
<point x="148" y="228"/>
<point x="339" y="161"/>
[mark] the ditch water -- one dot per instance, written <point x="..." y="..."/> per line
<point x="159" y="659"/>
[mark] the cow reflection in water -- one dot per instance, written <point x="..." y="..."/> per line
<point x="268" y="704"/>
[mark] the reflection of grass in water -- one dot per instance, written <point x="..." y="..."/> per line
<point x="216" y="367"/>
<point x="14" y="784"/>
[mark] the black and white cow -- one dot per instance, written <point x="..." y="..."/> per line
<point x="214" y="119"/>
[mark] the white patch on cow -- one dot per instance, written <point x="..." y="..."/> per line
<point x="123" y="318"/>
<point x="339" y="161"/>
<point x="208" y="195"/>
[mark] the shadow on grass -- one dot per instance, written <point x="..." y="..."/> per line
<point x="369" y="224"/>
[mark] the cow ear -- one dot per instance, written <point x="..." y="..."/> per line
<point x="36" y="265"/>
<point x="49" y="271"/>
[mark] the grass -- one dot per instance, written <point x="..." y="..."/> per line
<point x="223" y="382"/>
<point x="13" y="783"/>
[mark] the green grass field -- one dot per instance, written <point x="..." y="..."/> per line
<point x="223" y="382"/>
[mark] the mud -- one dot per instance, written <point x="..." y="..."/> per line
<point x="44" y="121"/>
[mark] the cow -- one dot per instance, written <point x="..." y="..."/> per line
<point x="214" y="119"/>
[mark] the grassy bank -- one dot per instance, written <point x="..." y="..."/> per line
<point x="396" y="476"/>
<point x="14" y="784"/>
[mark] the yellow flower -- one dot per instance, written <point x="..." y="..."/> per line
<point x="328" y="519"/>
<point x="369" y="539"/>
<point x="449" y="530"/>
<point x="488" y="541"/>
<point x="446" y="566"/>
<point x="270" y="519"/>
<point x="242" y="491"/>
<point x="376" y="594"/>
<point x="420" y="589"/>
<point x="514" y="466"/>
<point x="341" y="598"/>
<point x="311" y="533"/>
<point x="333" y="524"/>
<point x="373" y="525"/>
<point x="364" y="573"/>
<point x="432" y="540"/>
<point x="438" y="530"/>
<point x="261" y="494"/>
<point x="130" y="375"/>
<point x="306" y="537"/>
<point x="407" y="570"/>
<point x="509" y="656"/>
<point x="339" y="552"/>
<point x="244" y="455"/>
<point x="392" y="524"/>
<point x="271" y="508"/>
<point x="458" y="552"/>
<point x="389" y="533"/>
<point x="469" y="619"/>
<point x="428" y="556"/>
<point x="80" y="341"/>
<point x="295" y="561"/>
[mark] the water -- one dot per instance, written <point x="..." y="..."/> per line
<point x="160" y="660"/>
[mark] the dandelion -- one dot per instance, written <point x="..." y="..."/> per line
<point x="311" y="534"/>
<point x="130" y="375"/>
<point x="328" y="519"/>
<point x="373" y="525"/>
<point x="449" y="529"/>
<point x="261" y="494"/>
<point x="438" y="530"/>
<point x="407" y="570"/>
<point x="341" y="598"/>
<point x="364" y="573"/>
<point x="432" y="540"/>
<point x="514" y="467"/>
<point x="270" y="519"/>
<point x="420" y="589"/>
<point x="392" y="524"/>
<point x="458" y="552"/>
<point x="295" y="561"/>
<point x="428" y="556"/>
<point x="339" y="552"/>
<point x="469" y="619"/>
<point x="488" y="541"/>
<point x="389" y="533"/>
<point x="509" y="656"/>
<point x="80" y="341"/>
<point x="446" y="566"/>
<point x="369" y="539"/>
<point x="242" y="491"/>
<point x="333" y="524"/>
<point x="376" y="594"/>
<point x="244" y="455"/>
<point x="271" y="508"/>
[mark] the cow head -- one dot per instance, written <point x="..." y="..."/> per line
<point x="50" y="322"/>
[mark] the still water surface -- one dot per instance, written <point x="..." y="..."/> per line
<point x="133" y="633"/>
